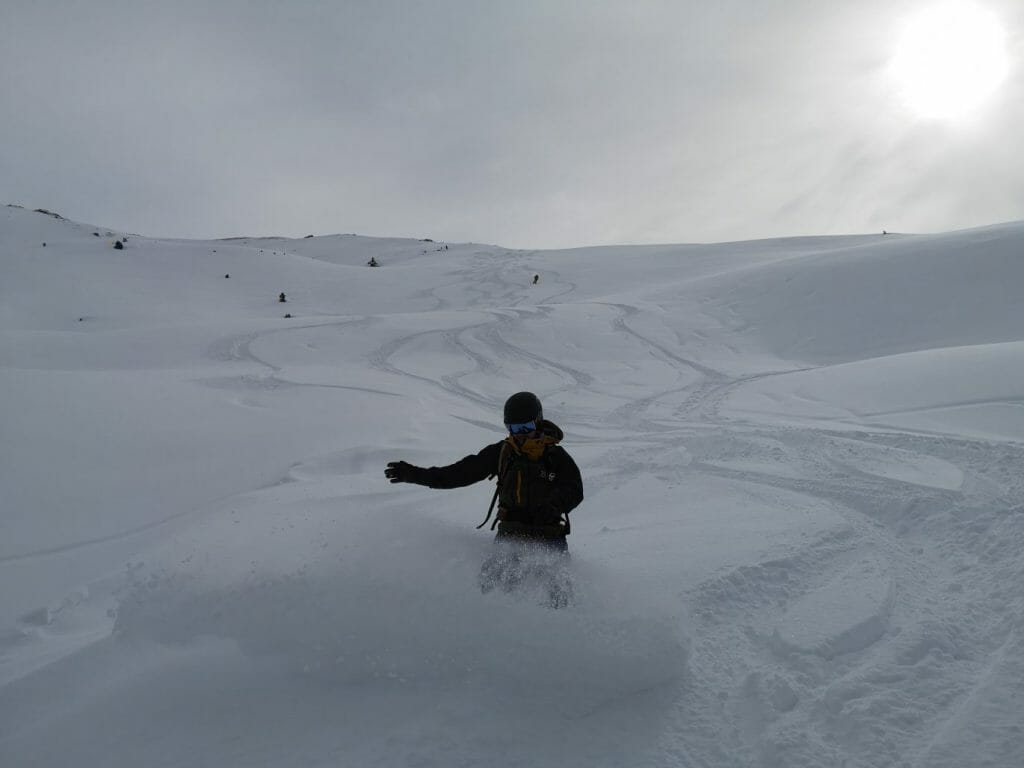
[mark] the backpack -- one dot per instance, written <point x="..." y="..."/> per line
<point x="508" y="460"/>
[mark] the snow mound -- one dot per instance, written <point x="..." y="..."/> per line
<point x="847" y="613"/>
<point x="973" y="390"/>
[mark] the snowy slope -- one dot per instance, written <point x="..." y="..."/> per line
<point x="800" y="545"/>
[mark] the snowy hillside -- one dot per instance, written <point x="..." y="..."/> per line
<point x="802" y="542"/>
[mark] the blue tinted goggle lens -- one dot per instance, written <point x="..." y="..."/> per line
<point x="522" y="429"/>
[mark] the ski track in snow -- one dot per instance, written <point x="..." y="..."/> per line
<point x="800" y="704"/>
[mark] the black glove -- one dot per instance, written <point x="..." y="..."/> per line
<point x="551" y="513"/>
<point x="400" y="472"/>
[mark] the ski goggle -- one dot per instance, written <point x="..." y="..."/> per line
<point x="522" y="429"/>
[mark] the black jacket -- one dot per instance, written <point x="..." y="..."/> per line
<point x="534" y="491"/>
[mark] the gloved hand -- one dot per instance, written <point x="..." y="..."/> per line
<point x="555" y="517"/>
<point x="551" y="513"/>
<point x="400" y="472"/>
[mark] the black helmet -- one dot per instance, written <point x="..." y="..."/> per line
<point x="522" y="407"/>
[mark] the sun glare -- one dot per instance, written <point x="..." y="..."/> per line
<point x="951" y="57"/>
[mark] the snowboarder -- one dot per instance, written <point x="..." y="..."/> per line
<point x="281" y="299"/>
<point x="372" y="262"/>
<point x="536" y="279"/>
<point x="538" y="486"/>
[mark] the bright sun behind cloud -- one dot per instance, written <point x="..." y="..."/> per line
<point x="950" y="58"/>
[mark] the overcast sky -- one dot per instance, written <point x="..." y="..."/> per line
<point x="530" y="124"/>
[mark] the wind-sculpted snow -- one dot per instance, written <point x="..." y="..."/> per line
<point x="883" y="298"/>
<point x="801" y="543"/>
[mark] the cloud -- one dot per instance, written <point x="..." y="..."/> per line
<point x="533" y="124"/>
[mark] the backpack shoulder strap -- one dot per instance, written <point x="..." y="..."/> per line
<point x="504" y="461"/>
<point x="504" y="458"/>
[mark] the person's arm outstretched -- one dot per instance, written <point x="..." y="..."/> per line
<point x="466" y="471"/>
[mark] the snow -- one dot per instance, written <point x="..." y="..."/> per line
<point x="801" y="543"/>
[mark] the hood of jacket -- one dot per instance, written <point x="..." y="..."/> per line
<point x="548" y="433"/>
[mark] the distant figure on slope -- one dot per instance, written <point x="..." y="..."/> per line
<point x="372" y="262"/>
<point x="538" y="486"/>
<point x="536" y="279"/>
<point x="281" y="298"/>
